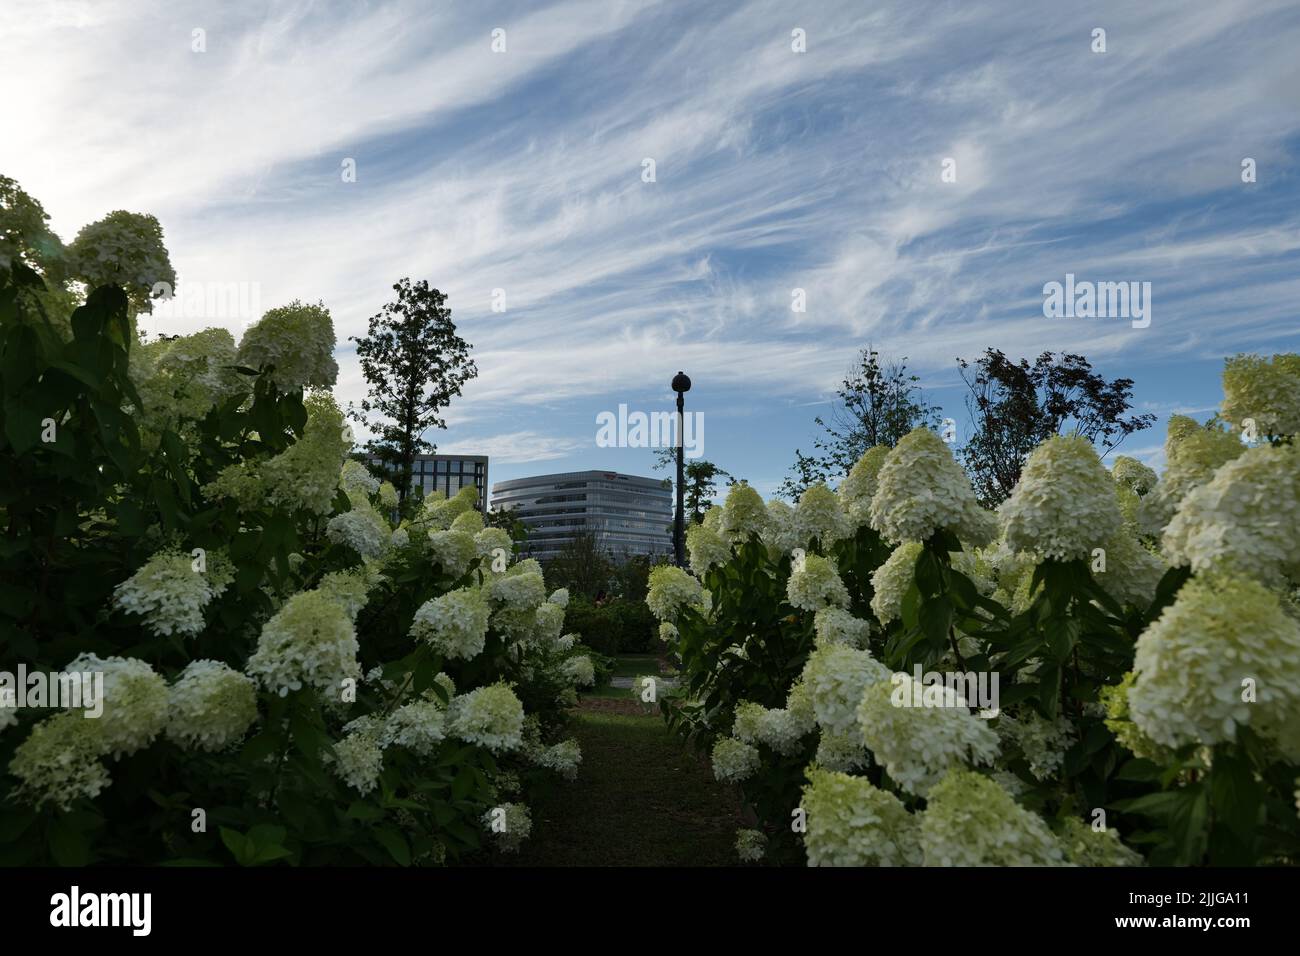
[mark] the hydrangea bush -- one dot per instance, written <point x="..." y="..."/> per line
<point x="287" y="676"/>
<point x="1143" y="632"/>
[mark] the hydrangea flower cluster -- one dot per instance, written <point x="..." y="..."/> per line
<point x="564" y="758"/>
<point x="351" y="588"/>
<point x="842" y="752"/>
<point x="310" y="642"/>
<point x="356" y="477"/>
<point x="1244" y="519"/>
<point x="859" y="486"/>
<point x="419" y="726"/>
<point x="834" y="625"/>
<point x="1224" y="633"/>
<point x="1193" y="454"/>
<point x="358" y="760"/>
<point x="1064" y="505"/>
<point x="779" y="533"/>
<point x="1133" y="475"/>
<point x="706" y="548"/>
<point x="134" y="698"/>
<point x="970" y="821"/>
<point x="733" y="760"/>
<point x="815" y="584"/>
<point x="921" y="489"/>
<point x="490" y="717"/>
<point x="820" y="515"/>
<point x="1043" y="742"/>
<point x="1087" y="846"/>
<point x="453" y="551"/>
<point x="1266" y="391"/>
<point x="579" y="670"/>
<point x="853" y="823"/>
<point x="59" y="763"/>
<point x="918" y="745"/>
<point x="169" y="594"/>
<point x="297" y="342"/>
<point x="125" y="248"/>
<point x="361" y="529"/>
<point x="455" y="623"/>
<point x="835" y="677"/>
<point x="210" y="706"/>
<point x="518" y="591"/>
<point x="891" y="581"/>
<point x="743" y="516"/>
<point x="670" y="591"/>
<point x="509" y="827"/>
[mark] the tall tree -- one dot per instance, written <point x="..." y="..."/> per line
<point x="701" y="481"/>
<point x="1015" y="405"/>
<point x="414" y="364"/>
<point x="878" y="403"/>
<point x="581" y="566"/>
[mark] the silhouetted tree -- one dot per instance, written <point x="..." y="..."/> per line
<point x="701" y="482"/>
<point x="1015" y="405"/>
<point x="414" y="364"/>
<point x="877" y="404"/>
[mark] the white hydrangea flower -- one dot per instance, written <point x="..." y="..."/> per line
<point x="777" y="729"/>
<point x="1264" y="391"/>
<point x="1223" y="633"/>
<point x="734" y="761"/>
<point x="705" y="548"/>
<point x="168" y="593"/>
<point x="891" y="581"/>
<point x="134" y="699"/>
<point x="751" y="845"/>
<point x="1043" y="742"/>
<point x="357" y="477"/>
<point x="419" y="726"/>
<point x="1193" y="454"/>
<point x="579" y="671"/>
<point x="1131" y="573"/>
<point x="453" y="551"/>
<point x="1132" y="474"/>
<point x="835" y="625"/>
<point x="744" y="516"/>
<point x="510" y="824"/>
<point x="853" y="823"/>
<point x="490" y="717"/>
<point x="310" y="642"/>
<point x="841" y="752"/>
<point x="1244" y="519"/>
<point x="559" y="596"/>
<point x="670" y="590"/>
<point x="918" y="745"/>
<point x="59" y="762"/>
<point x="210" y="707"/>
<point x="298" y="340"/>
<point x="1085" y="846"/>
<point x="566" y="642"/>
<point x="564" y="758"/>
<point x="858" y="488"/>
<point x="469" y="522"/>
<point x="744" y="725"/>
<point x="970" y="821"/>
<point x="358" y="760"/>
<point x="361" y="529"/>
<point x="835" y="677"/>
<point x="820" y="515"/>
<point x="1064" y="505"/>
<point x="455" y="623"/>
<point x="815" y="584"/>
<point x="388" y="497"/>
<point x="350" y="588"/>
<point x="799" y="704"/>
<point x="8" y="713"/>
<point x="779" y="532"/>
<point x="921" y="489"/>
<point x="517" y="592"/>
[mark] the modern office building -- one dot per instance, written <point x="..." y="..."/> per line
<point x="626" y="514"/>
<point x="450" y="473"/>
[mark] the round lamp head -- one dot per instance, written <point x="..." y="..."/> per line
<point x="681" y="382"/>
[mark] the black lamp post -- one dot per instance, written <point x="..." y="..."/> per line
<point x="681" y="385"/>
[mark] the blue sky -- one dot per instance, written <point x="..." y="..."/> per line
<point x="775" y="170"/>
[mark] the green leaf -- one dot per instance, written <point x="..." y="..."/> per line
<point x="392" y="841"/>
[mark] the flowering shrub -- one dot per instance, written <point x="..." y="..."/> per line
<point x="286" y="676"/>
<point x="1141" y="632"/>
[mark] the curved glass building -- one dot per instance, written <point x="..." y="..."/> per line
<point x="626" y="514"/>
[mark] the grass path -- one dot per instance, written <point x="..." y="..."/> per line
<point x="641" y="799"/>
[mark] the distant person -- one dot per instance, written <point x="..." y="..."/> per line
<point x="601" y="598"/>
